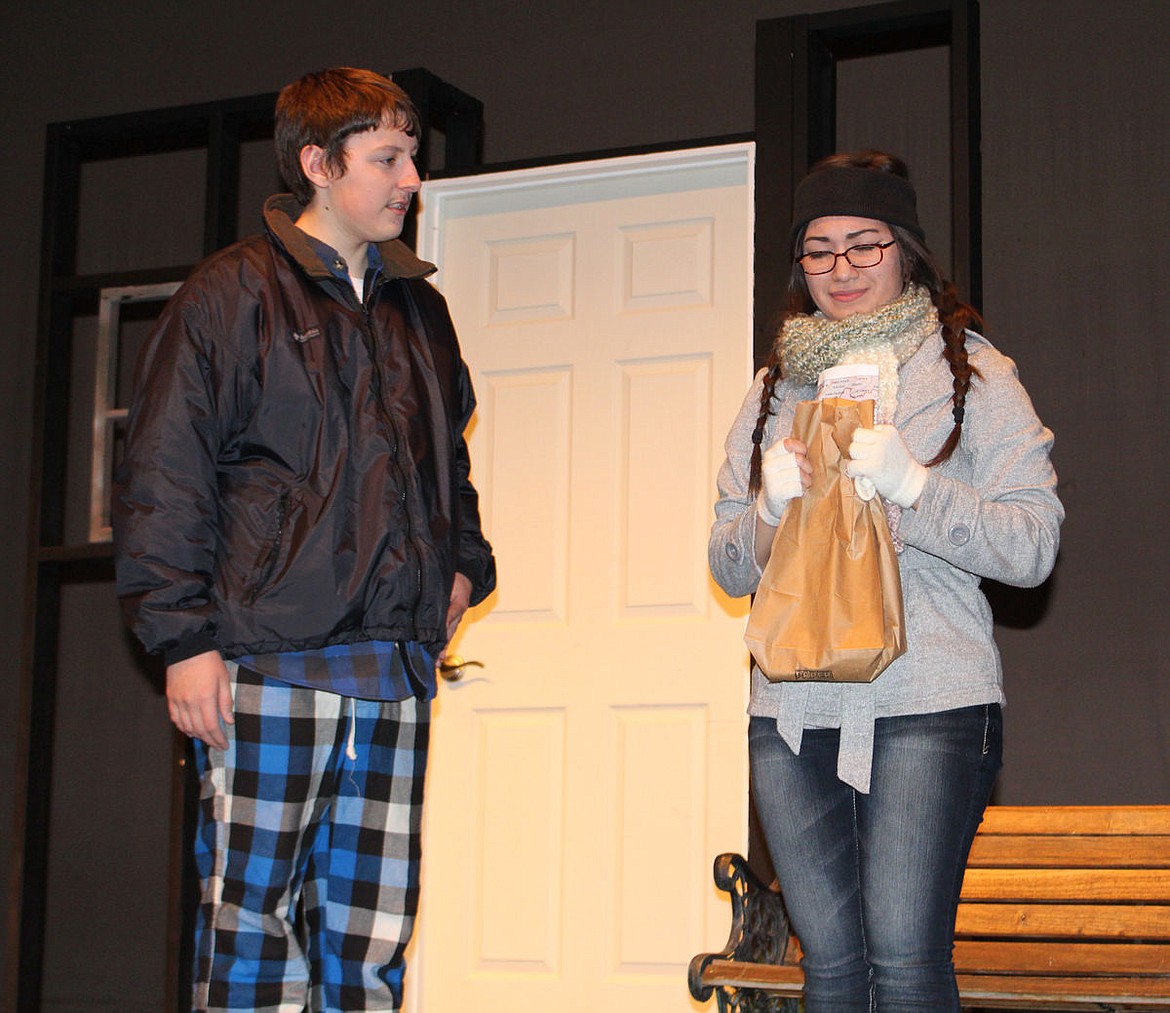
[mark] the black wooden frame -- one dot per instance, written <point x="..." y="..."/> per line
<point x="796" y="97"/>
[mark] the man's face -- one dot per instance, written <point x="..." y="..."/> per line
<point x="368" y="204"/>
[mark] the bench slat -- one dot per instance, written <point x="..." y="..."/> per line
<point x="1073" y="885"/>
<point x="1125" y="820"/>
<point x="1086" y="921"/>
<point x="1011" y="992"/>
<point x="740" y="975"/>
<point x="1063" y="958"/>
<point x="1038" y="850"/>
<point x="993" y="990"/>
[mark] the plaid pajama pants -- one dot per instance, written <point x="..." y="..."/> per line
<point x="308" y="860"/>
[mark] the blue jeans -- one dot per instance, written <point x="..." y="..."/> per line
<point x="872" y="881"/>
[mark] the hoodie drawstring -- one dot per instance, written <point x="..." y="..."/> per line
<point x="350" y="749"/>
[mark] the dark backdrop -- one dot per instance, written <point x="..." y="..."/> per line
<point x="1076" y="249"/>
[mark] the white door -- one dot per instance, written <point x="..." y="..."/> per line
<point x="582" y="781"/>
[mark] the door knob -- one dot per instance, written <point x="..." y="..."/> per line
<point x="453" y="668"/>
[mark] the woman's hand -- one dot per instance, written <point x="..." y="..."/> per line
<point x="881" y="456"/>
<point x="785" y="472"/>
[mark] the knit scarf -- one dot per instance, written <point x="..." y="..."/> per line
<point x="886" y="338"/>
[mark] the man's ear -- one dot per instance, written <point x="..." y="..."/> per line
<point x="313" y="165"/>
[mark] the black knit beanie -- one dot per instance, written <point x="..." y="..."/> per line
<point x="856" y="193"/>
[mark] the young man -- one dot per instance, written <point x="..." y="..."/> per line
<point x="297" y="533"/>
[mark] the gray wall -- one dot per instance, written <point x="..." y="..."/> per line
<point x="1075" y="149"/>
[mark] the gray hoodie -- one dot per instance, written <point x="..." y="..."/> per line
<point x="989" y="511"/>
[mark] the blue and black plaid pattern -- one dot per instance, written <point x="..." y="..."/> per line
<point x="308" y="860"/>
<point x="369" y="669"/>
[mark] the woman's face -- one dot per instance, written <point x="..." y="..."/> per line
<point x="846" y="290"/>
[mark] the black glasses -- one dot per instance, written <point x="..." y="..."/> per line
<point x="862" y="255"/>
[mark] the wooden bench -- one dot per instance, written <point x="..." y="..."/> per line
<point x="1062" y="908"/>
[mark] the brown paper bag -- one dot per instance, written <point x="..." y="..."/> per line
<point x="829" y="605"/>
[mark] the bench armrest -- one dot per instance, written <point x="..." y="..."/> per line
<point x="759" y="923"/>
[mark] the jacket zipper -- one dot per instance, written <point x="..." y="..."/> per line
<point x="395" y="445"/>
<point x="274" y="549"/>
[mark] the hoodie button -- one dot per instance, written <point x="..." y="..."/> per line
<point x="960" y="534"/>
<point x="732" y="551"/>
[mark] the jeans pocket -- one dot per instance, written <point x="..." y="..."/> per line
<point x="993" y="732"/>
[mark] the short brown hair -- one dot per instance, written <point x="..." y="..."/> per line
<point x="324" y="108"/>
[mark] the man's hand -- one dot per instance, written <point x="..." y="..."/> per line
<point x="199" y="696"/>
<point x="460" y="599"/>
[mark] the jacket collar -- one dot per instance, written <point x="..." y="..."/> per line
<point x="282" y="210"/>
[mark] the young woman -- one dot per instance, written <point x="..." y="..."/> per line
<point x="870" y="794"/>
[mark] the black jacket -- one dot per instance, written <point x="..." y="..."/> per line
<point x="295" y="473"/>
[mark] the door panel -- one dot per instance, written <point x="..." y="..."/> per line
<point x="582" y="781"/>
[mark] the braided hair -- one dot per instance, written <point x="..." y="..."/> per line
<point x="918" y="266"/>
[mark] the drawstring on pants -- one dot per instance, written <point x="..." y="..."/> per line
<point x="350" y="750"/>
